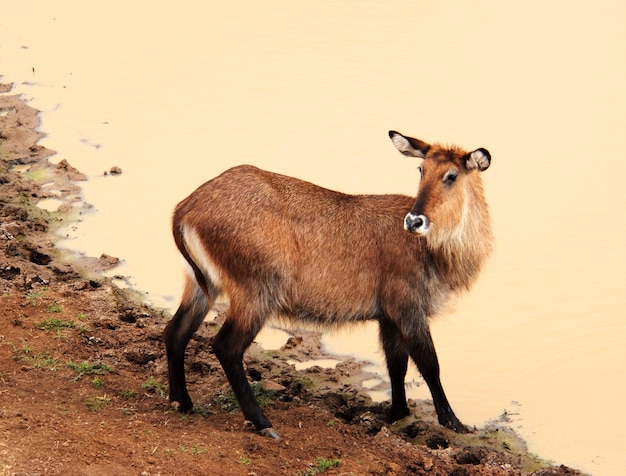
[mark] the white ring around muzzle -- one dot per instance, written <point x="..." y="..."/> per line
<point x="417" y="224"/>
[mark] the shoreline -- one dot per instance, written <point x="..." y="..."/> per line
<point x="121" y="332"/>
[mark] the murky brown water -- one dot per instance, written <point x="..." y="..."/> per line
<point x="174" y="96"/>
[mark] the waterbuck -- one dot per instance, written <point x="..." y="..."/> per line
<point x="278" y="245"/>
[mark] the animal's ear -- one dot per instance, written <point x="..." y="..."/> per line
<point x="480" y="160"/>
<point x="408" y="145"/>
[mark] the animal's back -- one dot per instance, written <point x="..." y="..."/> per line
<point x="320" y="254"/>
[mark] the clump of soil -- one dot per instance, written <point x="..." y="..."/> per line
<point x="84" y="374"/>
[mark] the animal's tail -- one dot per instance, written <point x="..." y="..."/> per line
<point x="201" y="279"/>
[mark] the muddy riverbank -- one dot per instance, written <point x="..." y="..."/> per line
<point x="84" y="375"/>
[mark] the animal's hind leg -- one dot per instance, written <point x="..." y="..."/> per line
<point x="229" y="345"/>
<point x="397" y="358"/>
<point x="422" y="351"/>
<point x="190" y="314"/>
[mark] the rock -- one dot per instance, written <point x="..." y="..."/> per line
<point x="108" y="261"/>
<point x="12" y="228"/>
<point x="113" y="171"/>
<point x="292" y="342"/>
<point x="272" y="386"/>
<point x="71" y="172"/>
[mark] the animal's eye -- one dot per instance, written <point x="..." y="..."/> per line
<point x="450" y="177"/>
<point x="419" y="169"/>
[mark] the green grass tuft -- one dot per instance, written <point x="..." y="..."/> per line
<point x="54" y="324"/>
<point x="156" y="387"/>
<point x="95" y="404"/>
<point x="323" y="465"/>
<point x="88" y="368"/>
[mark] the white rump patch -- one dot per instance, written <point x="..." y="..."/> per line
<point x="199" y="255"/>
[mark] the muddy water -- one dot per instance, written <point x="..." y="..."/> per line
<point x="174" y="96"/>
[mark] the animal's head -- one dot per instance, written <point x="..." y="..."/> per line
<point x="450" y="196"/>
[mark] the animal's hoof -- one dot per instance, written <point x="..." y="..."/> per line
<point x="270" y="432"/>
<point x="181" y="407"/>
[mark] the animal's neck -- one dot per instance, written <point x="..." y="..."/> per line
<point x="458" y="256"/>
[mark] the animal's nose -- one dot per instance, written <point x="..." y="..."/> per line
<point x="417" y="224"/>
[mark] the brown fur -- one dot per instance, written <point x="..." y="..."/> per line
<point x="278" y="245"/>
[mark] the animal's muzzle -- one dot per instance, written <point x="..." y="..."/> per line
<point x="417" y="224"/>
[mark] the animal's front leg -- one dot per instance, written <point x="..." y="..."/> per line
<point x="397" y="359"/>
<point x="423" y="353"/>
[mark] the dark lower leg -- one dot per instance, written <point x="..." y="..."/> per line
<point x="397" y="363"/>
<point x="229" y="345"/>
<point x="425" y="357"/>
<point x="176" y="335"/>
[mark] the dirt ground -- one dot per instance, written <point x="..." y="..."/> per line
<point x="83" y="374"/>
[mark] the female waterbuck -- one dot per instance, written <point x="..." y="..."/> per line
<point x="278" y="245"/>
